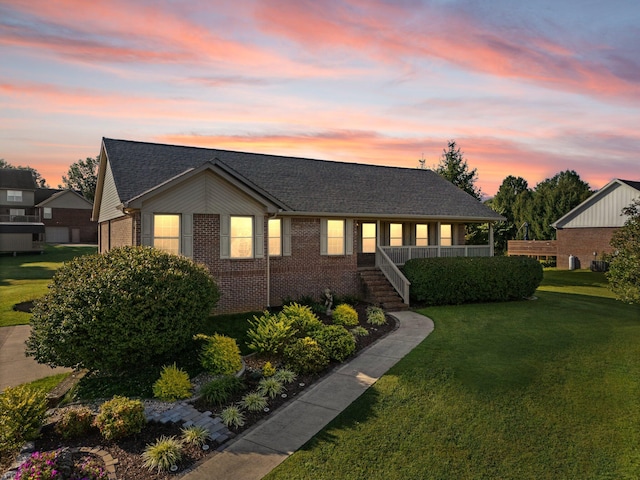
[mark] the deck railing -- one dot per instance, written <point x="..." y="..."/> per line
<point x="20" y="218"/>
<point x="393" y="274"/>
<point x="400" y="255"/>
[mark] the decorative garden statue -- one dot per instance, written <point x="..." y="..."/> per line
<point x="328" y="300"/>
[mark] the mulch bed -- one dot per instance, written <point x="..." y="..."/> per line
<point x="127" y="451"/>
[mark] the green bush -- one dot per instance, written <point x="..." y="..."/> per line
<point x="346" y="315"/>
<point x="232" y="416"/>
<point x="270" y="387"/>
<point x="453" y="281"/>
<point x="22" y="412"/>
<point x="116" y="311"/>
<point x="254" y="402"/>
<point x="75" y="422"/>
<point x="219" y="390"/>
<point x="336" y="341"/>
<point x="302" y="319"/>
<point x="359" y="331"/>
<point x="194" y="435"/>
<point x="268" y="370"/>
<point x="376" y="316"/>
<point x="120" y="417"/>
<point x="173" y="384"/>
<point x="220" y="354"/>
<point x="162" y="454"/>
<point x="270" y="333"/>
<point x="305" y="356"/>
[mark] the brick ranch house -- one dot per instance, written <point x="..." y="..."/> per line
<point x="270" y="227"/>
<point x="585" y="232"/>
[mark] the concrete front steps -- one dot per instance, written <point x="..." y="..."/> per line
<point x="379" y="291"/>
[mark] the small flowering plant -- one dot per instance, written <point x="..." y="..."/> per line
<point x="40" y="466"/>
<point x="88" y="469"/>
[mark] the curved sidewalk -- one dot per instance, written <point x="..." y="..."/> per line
<point x="260" y="449"/>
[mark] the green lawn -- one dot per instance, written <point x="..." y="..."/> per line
<point x="542" y="389"/>
<point x="25" y="277"/>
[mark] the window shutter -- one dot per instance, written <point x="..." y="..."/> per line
<point x="348" y="236"/>
<point x="286" y="237"/>
<point x="323" y="236"/>
<point x="225" y="240"/>
<point x="146" y="227"/>
<point x="258" y="236"/>
<point x="187" y="235"/>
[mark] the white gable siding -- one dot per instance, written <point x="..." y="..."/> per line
<point x="67" y="200"/>
<point x="604" y="210"/>
<point x="110" y="198"/>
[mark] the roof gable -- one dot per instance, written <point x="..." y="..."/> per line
<point x="62" y="199"/>
<point x="300" y="185"/>
<point x="603" y="208"/>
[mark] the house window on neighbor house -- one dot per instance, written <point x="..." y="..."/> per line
<point x="14" y="196"/>
<point x="422" y="235"/>
<point x="47" y="213"/>
<point x="446" y="237"/>
<point x="275" y="237"/>
<point x="166" y="233"/>
<point x="241" y="238"/>
<point x="395" y="235"/>
<point x="335" y="237"/>
<point x="368" y="238"/>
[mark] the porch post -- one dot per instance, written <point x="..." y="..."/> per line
<point x="438" y="236"/>
<point x="491" y="239"/>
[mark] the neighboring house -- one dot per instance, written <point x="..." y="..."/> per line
<point x="20" y="226"/>
<point x="66" y="216"/>
<point x="270" y="227"/>
<point x="585" y="232"/>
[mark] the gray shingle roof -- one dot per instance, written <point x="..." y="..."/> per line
<point x="14" y="178"/>
<point x="303" y="185"/>
<point x="632" y="184"/>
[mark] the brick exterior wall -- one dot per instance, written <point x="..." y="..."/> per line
<point x="306" y="272"/>
<point x="72" y="218"/>
<point x="581" y="243"/>
<point x="121" y="232"/>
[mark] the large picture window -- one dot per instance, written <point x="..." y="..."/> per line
<point x="241" y="240"/>
<point x="275" y="237"/>
<point x="368" y="238"/>
<point x="166" y="233"/>
<point x="335" y="237"/>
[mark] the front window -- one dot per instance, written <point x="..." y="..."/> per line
<point x="368" y="238"/>
<point x="422" y="235"/>
<point x="395" y="235"/>
<point x="446" y="238"/>
<point x="275" y="237"/>
<point x="16" y="212"/>
<point x="335" y="237"/>
<point x="47" y="213"/>
<point x="166" y="233"/>
<point x="14" y="196"/>
<point x="241" y="237"/>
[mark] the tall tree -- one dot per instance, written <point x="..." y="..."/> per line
<point x="504" y="202"/>
<point x="454" y="168"/>
<point x="553" y="198"/>
<point x="83" y="177"/>
<point x="624" y="271"/>
<point x="39" y="179"/>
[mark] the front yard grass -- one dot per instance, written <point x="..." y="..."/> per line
<point x="541" y="389"/>
<point x="25" y="277"/>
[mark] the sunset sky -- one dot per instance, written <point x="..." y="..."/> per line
<point x="526" y="88"/>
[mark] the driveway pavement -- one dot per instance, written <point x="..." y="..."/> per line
<point x="15" y="367"/>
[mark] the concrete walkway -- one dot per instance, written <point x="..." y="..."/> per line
<point x="257" y="451"/>
<point x="15" y="367"/>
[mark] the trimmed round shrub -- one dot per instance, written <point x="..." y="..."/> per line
<point x="22" y="413"/>
<point x="120" y="417"/>
<point x="336" y="341"/>
<point x="220" y="354"/>
<point x="75" y="422"/>
<point x="173" y="384"/>
<point x="305" y="356"/>
<point x="302" y="318"/>
<point x="116" y="311"/>
<point x="346" y="315"/>
<point x="453" y="281"/>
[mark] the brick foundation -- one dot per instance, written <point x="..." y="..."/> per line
<point x="581" y="243"/>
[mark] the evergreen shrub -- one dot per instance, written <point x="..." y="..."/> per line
<point x="22" y="413"/>
<point x="305" y="356"/>
<point x="270" y="333"/>
<point x="120" y="417"/>
<point x="220" y="355"/>
<point x="336" y="341"/>
<point x="173" y="384"/>
<point x="453" y="281"/>
<point x="345" y="314"/>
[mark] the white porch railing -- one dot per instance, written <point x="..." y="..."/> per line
<point x="400" y="255"/>
<point x="393" y="274"/>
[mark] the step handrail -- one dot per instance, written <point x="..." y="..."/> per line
<point x="396" y="278"/>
